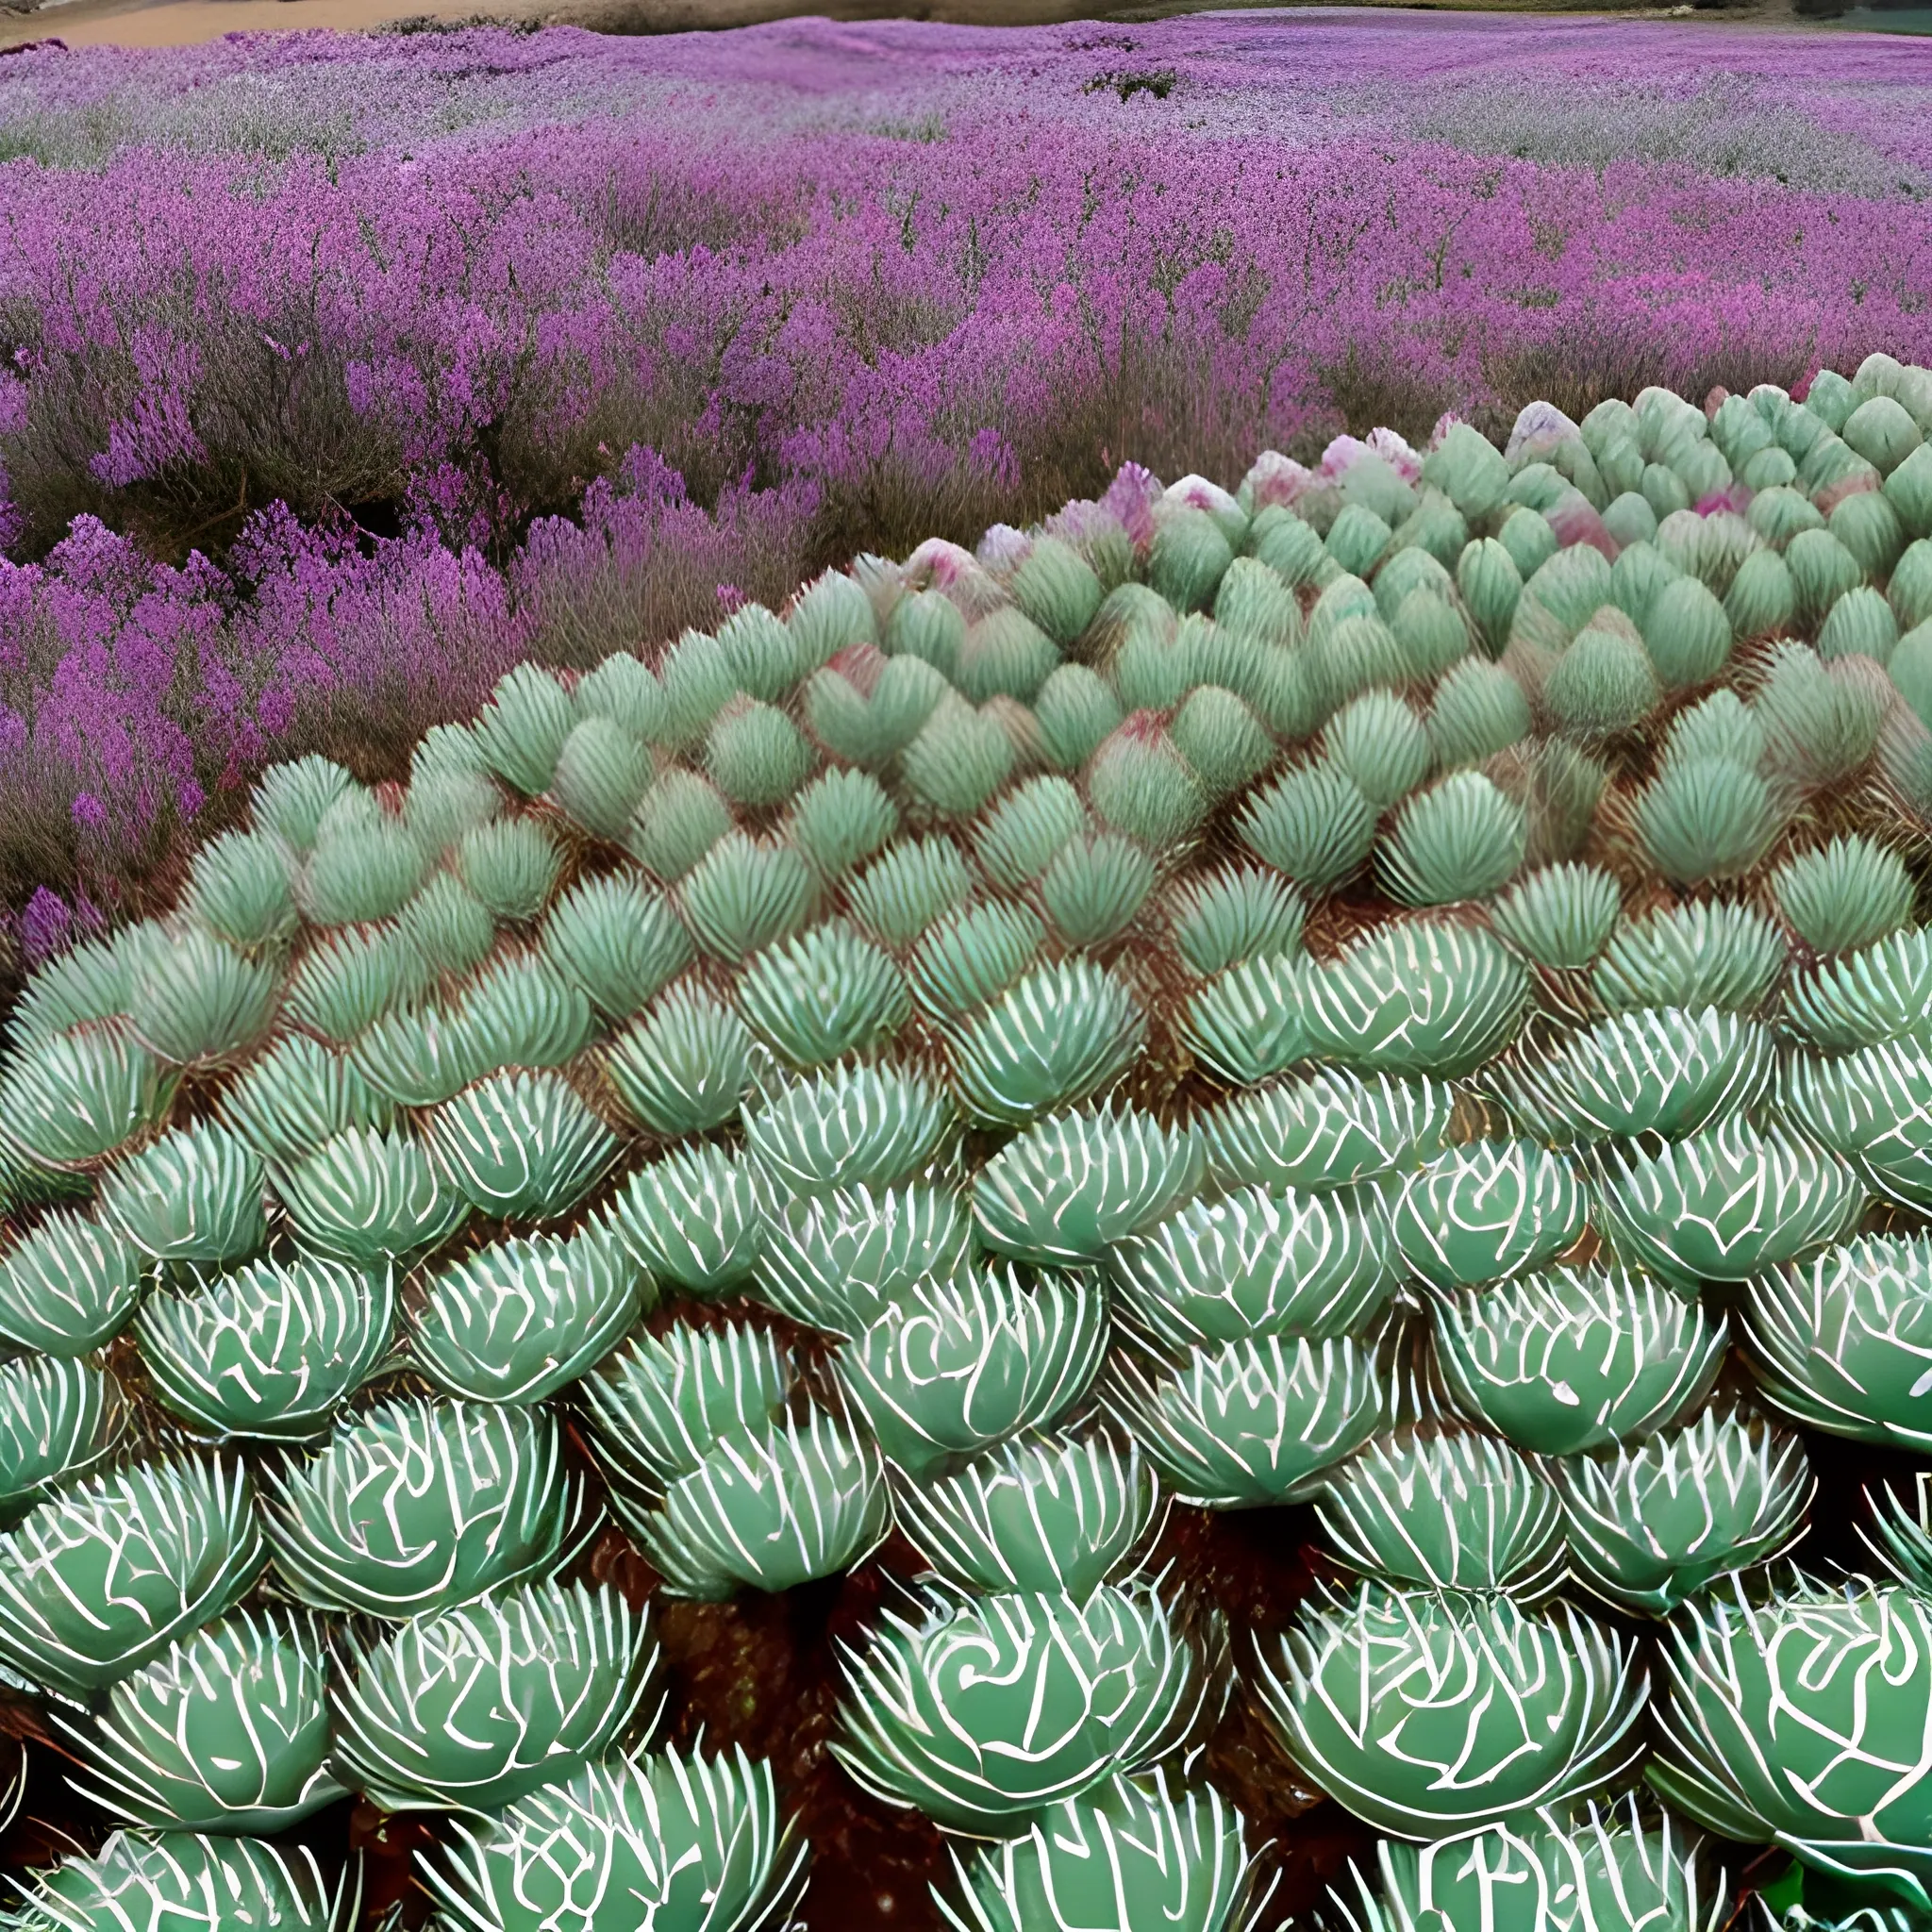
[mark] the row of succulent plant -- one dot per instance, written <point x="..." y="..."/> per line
<point x="1352" y="991"/>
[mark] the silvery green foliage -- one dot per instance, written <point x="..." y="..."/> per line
<point x="1064" y="1033"/>
<point x="1486" y="1212"/>
<point x="1806" y="1720"/>
<point x="1843" y="1342"/>
<point x="59" y="1419"/>
<point x="1608" y="1870"/>
<point x="767" y="1509"/>
<point x="1654" y="1522"/>
<point x="1727" y="1202"/>
<point x="474" y="1709"/>
<point x="68" y="1285"/>
<point x="1136" y="1855"/>
<point x="662" y="1841"/>
<point x="521" y="1147"/>
<point x="190" y="1884"/>
<point x="1430" y="1714"/>
<point x="194" y="1196"/>
<point x="419" y="1504"/>
<point x="1873" y="1107"/>
<point x="1651" y="1070"/>
<point x="1453" y="1511"/>
<point x="1062" y="1191"/>
<point x="101" y="1578"/>
<point x="979" y="1713"/>
<point x="1330" y="1129"/>
<point x="517" y="1322"/>
<point x="227" y="1731"/>
<point x="368" y="1197"/>
<point x="1042" y="1513"/>
<point x="954" y="1367"/>
<point x="854" y="1127"/>
<point x="1864" y="998"/>
<point x="1251" y="1423"/>
<point x="270" y="1351"/>
<point x="70" y="1100"/>
<point x="693" y="1219"/>
<point x="1577" y="1358"/>
<point x="1901" y="1532"/>
<point x="1258" y="1262"/>
<point x="658" y="1407"/>
<point x="838" y="1261"/>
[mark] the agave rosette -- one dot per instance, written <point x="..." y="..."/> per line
<point x="1430" y="1714"/>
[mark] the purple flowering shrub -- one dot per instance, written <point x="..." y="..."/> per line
<point x="335" y="374"/>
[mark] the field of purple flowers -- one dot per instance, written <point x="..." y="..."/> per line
<point x="337" y="373"/>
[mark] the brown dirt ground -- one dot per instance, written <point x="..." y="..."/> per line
<point x="178" y="23"/>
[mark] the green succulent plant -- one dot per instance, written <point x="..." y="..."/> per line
<point x="1258" y="1262"/>
<point x="1901" y="1533"/>
<point x="368" y="1197"/>
<point x="58" y="1420"/>
<point x="1252" y="1422"/>
<point x="517" y="1322"/>
<point x="1330" y="1129"/>
<point x="69" y="1286"/>
<point x="1873" y="1107"/>
<point x="684" y="1068"/>
<point x="1883" y="991"/>
<point x="477" y="1707"/>
<point x="1842" y="1343"/>
<point x="838" y="1261"/>
<point x="766" y="1510"/>
<point x="68" y="1100"/>
<point x="1653" y="1524"/>
<point x="955" y="1367"/>
<point x="1708" y="953"/>
<point x="1134" y="1855"/>
<point x="269" y="1352"/>
<point x="179" y="1879"/>
<point x="1040" y="1514"/>
<point x="1559" y="916"/>
<point x="1769" y="1728"/>
<point x="1577" y="1359"/>
<point x="1486" y="1212"/>
<point x="692" y="1220"/>
<point x="1245" y="1025"/>
<point x="1061" y="1034"/>
<point x="102" y="1577"/>
<point x="227" y="1731"/>
<point x="1448" y="1511"/>
<point x="420" y="1505"/>
<point x="196" y="1194"/>
<point x="1430" y="1715"/>
<point x="980" y="1712"/>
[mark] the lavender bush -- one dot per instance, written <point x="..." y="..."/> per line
<point x="336" y="374"/>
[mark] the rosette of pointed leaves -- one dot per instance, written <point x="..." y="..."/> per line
<point x="1257" y="1262"/>
<point x="1043" y="1514"/>
<point x="1874" y="1107"/>
<point x="1806" y="1720"/>
<point x="1727" y="1202"/>
<point x="1331" y="1129"/>
<point x="1246" y="1023"/>
<point x="1651" y="1070"/>
<point x="823" y="995"/>
<point x="1860" y="999"/>
<point x="1843" y="1342"/>
<point x="767" y="1510"/>
<point x="69" y="1100"/>
<point x="659" y="1406"/>
<point x="1901" y="1533"/>
<point x="1453" y="1511"/>
<point x="955" y="1366"/>
<point x="850" y="1128"/>
<point x="1432" y="1714"/>
<point x="472" y="1710"/>
<point x="102" y="1577"/>
<point x="1560" y="915"/>
<point x="1650" y="1524"/>
<point x="175" y="1881"/>
<point x="194" y="1196"/>
<point x="1062" y="1191"/>
<point x="686" y="1068"/>
<point x="1063" y="1033"/>
<point x="296" y="1096"/>
<point x="198" y="1003"/>
<point x="1252" y="1422"/>
<point x="1487" y="1211"/>
<point x="1708" y="953"/>
<point x="1577" y="1358"/>
<point x="1416" y="999"/>
<point x="1136" y="1855"/>
<point x="521" y="1146"/>
<point x="980" y="1712"/>
<point x="269" y="1351"/>
<point x="691" y="1219"/>
<point x="59" y="1419"/>
<point x="420" y="1505"/>
<point x="368" y="1198"/>
<point x="228" y="1731"/>
<point x="838" y="1261"/>
<point x="517" y="1322"/>
<point x="662" y="1843"/>
<point x="1606" y="1872"/>
<point x="617" y="942"/>
<point x="69" y="1286"/>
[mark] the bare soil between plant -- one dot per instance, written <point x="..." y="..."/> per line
<point x="184" y="23"/>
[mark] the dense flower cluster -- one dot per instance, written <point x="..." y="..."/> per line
<point x="1354" y="992"/>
